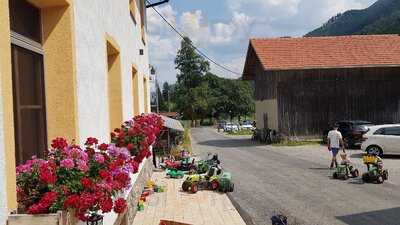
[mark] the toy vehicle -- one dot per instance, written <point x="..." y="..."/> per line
<point x="171" y="164"/>
<point x="345" y="171"/>
<point x="375" y="171"/>
<point x="174" y="173"/>
<point x="203" y="166"/>
<point x="215" y="179"/>
<point x="187" y="164"/>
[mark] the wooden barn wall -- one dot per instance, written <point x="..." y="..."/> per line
<point x="266" y="82"/>
<point x="308" y="100"/>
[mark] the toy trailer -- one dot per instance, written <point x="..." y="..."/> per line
<point x="225" y="182"/>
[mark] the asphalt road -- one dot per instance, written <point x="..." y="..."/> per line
<point x="297" y="183"/>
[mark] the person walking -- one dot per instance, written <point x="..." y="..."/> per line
<point x="335" y="142"/>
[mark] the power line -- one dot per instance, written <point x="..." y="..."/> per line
<point x="191" y="44"/>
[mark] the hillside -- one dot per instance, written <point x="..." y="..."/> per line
<point x="382" y="17"/>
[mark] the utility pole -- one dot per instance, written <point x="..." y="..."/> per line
<point x="169" y="106"/>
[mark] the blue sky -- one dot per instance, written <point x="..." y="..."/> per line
<point x="222" y="28"/>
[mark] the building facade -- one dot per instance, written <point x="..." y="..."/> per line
<point x="68" y="68"/>
<point x="304" y="84"/>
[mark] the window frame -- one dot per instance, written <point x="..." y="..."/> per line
<point x="28" y="44"/>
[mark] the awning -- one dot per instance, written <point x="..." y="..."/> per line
<point x="172" y="124"/>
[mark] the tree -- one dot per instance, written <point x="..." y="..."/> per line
<point x="192" y="67"/>
<point x="162" y="106"/>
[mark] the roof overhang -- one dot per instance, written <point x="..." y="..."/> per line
<point x="172" y="124"/>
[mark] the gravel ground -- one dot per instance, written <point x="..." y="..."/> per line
<point x="297" y="181"/>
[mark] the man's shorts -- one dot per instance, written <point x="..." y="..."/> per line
<point x="335" y="151"/>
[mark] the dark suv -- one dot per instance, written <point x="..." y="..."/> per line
<point x="352" y="131"/>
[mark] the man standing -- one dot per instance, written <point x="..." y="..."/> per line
<point x="335" y="141"/>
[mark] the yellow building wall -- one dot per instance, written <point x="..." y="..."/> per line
<point x="114" y="83"/>
<point x="7" y="98"/>
<point x="135" y="91"/>
<point x="59" y="69"/>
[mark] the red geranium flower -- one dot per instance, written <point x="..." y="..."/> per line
<point x="59" y="143"/>
<point x="106" y="205"/>
<point x="86" y="182"/>
<point x="120" y="205"/>
<point x="91" y="141"/>
<point x="103" y="147"/>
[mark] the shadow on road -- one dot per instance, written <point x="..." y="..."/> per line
<point x="380" y="217"/>
<point x="230" y="143"/>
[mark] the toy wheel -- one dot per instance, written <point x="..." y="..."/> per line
<point x="194" y="188"/>
<point x="355" y="173"/>
<point x="335" y="175"/>
<point x="185" y="186"/>
<point x="385" y="175"/>
<point x="379" y="179"/>
<point x="345" y="177"/>
<point x="214" y="185"/>
<point x="365" y="177"/>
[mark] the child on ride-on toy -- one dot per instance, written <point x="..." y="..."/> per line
<point x="345" y="169"/>
<point x="375" y="171"/>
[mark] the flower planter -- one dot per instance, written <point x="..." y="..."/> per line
<point x="60" y="218"/>
<point x="95" y="220"/>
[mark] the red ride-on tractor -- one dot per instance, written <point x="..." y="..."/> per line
<point x="186" y="164"/>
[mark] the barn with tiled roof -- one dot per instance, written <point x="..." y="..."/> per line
<point x="304" y="84"/>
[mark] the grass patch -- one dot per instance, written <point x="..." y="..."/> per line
<point x="241" y="132"/>
<point x="297" y="143"/>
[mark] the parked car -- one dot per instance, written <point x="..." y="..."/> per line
<point x="221" y="125"/>
<point x="352" y="131"/>
<point x="231" y="127"/>
<point x="382" y="139"/>
<point x="247" y="125"/>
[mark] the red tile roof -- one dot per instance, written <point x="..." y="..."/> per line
<point x="325" y="52"/>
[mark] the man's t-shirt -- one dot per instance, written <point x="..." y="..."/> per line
<point x="334" y="136"/>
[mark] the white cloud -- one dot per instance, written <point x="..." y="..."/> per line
<point x="155" y="24"/>
<point x="236" y="29"/>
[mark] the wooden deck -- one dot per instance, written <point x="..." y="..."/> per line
<point x="202" y="208"/>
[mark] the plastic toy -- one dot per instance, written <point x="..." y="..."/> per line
<point x="140" y="205"/>
<point x="215" y="179"/>
<point x="174" y="173"/>
<point x="202" y="166"/>
<point x="375" y="171"/>
<point x="187" y="164"/>
<point x="345" y="169"/>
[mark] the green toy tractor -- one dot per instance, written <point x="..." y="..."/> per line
<point x="174" y="173"/>
<point x="375" y="171"/>
<point x="213" y="180"/>
<point x="345" y="171"/>
<point x="204" y="165"/>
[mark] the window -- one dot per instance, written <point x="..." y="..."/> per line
<point x="380" y="131"/>
<point x="25" y="19"/>
<point x="132" y="8"/>
<point x="393" y="131"/>
<point x="28" y="81"/>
